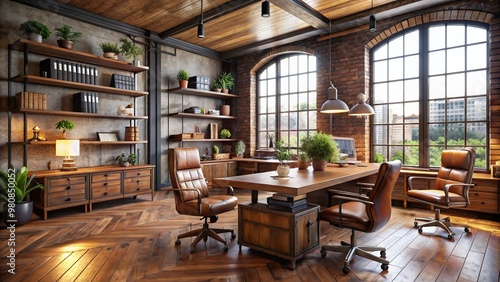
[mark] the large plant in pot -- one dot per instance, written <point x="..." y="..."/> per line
<point x="15" y="185"/>
<point x="321" y="149"/>
<point x="283" y="155"/>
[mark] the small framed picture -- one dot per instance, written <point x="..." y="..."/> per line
<point x="107" y="136"/>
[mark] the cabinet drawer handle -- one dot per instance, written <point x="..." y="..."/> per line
<point x="309" y="224"/>
<point x="69" y="187"/>
<point x="106" y="193"/>
<point x="138" y="189"/>
<point x="68" y="199"/>
<point x="138" y="173"/>
<point x="138" y="181"/>
<point x="476" y="194"/>
<point x="105" y="175"/>
<point x="68" y="178"/>
<point x="105" y="183"/>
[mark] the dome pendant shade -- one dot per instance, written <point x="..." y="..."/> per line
<point x="333" y="105"/>
<point x="361" y="108"/>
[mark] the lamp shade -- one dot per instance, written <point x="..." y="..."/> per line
<point x="67" y="148"/>
<point x="201" y="30"/>
<point x="333" y="105"/>
<point x="266" y="10"/>
<point x="373" y="23"/>
<point x="361" y="108"/>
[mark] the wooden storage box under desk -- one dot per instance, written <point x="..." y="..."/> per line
<point x="288" y="235"/>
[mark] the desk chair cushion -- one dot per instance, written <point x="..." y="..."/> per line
<point x="353" y="216"/>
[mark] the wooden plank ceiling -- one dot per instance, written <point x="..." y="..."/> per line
<point x="236" y="27"/>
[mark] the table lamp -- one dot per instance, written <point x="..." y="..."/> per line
<point x="68" y="149"/>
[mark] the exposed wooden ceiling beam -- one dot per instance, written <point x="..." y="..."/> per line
<point x="212" y="14"/>
<point x="303" y="11"/>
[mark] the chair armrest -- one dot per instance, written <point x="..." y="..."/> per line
<point x="182" y="190"/>
<point x="410" y="179"/>
<point x="465" y="191"/>
<point x="364" y="188"/>
<point x="339" y="193"/>
<point x="357" y="198"/>
<point x="230" y="190"/>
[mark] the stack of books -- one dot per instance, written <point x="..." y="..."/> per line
<point x="31" y="100"/>
<point x="86" y="102"/>
<point x="67" y="70"/>
<point x="288" y="203"/>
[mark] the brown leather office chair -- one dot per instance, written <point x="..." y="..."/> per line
<point x="451" y="188"/>
<point x="363" y="212"/>
<point x="192" y="196"/>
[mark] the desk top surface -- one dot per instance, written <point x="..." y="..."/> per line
<point x="300" y="181"/>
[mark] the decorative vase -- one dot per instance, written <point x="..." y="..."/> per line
<point x="125" y="164"/>
<point x="303" y="164"/>
<point x="22" y="213"/>
<point x="319" y="165"/>
<point x="283" y="170"/>
<point x="67" y="44"/>
<point x="225" y="110"/>
<point x="35" y="37"/>
<point x="183" y="83"/>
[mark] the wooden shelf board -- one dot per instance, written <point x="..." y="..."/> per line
<point x="77" y="85"/>
<point x="202" y="140"/>
<point x="202" y="116"/>
<point x="72" y="55"/>
<point x="85" y="142"/>
<point x="78" y="114"/>
<point x="204" y="93"/>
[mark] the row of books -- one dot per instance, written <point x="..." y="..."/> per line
<point x="86" y="102"/>
<point x="31" y="100"/>
<point x="69" y="71"/>
<point x="287" y="203"/>
<point x="122" y="81"/>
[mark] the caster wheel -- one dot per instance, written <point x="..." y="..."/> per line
<point x="323" y="253"/>
<point x="450" y="237"/>
<point x="467" y="229"/>
<point x="415" y="224"/>
<point x="382" y="254"/>
<point x="233" y="236"/>
<point x="346" y="269"/>
<point x="384" y="267"/>
<point x="178" y="242"/>
<point x="420" y="230"/>
<point x="226" y="249"/>
<point x="191" y="251"/>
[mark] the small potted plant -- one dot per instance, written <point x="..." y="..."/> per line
<point x="35" y="30"/>
<point x="182" y="77"/>
<point x="130" y="50"/>
<point x="283" y="155"/>
<point x="68" y="38"/>
<point x="303" y="161"/>
<point x="320" y="148"/>
<point x="227" y="82"/>
<point x="15" y="185"/>
<point x="65" y="125"/>
<point x="125" y="160"/>
<point x="224" y="133"/>
<point x="239" y="148"/>
<point x="217" y="85"/>
<point x="110" y="50"/>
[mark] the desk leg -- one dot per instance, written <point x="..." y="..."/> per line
<point x="255" y="196"/>
<point x="405" y="188"/>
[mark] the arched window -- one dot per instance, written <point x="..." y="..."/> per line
<point x="286" y="100"/>
<point x="430" y="93"/>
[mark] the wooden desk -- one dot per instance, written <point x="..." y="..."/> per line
<point x="300" y="181"/>
<point x="289" y="235"/>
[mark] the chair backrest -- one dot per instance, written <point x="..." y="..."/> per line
<point x="186" y="173"/>
<point x="381" y="195"/>
<point x="456" y="166"/>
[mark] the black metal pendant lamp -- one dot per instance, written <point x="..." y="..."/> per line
<point x="201" y="27"/>
<point x="266" y="9"/>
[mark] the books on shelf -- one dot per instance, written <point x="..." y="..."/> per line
<point x="122" y="81"/>
<point x="31" y="100"/>
<point x="86" y="102"/>
<point x="289" y="198"/>
<point x="69" y="71"/>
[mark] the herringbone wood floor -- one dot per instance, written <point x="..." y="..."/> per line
<point x="133" y="240"/>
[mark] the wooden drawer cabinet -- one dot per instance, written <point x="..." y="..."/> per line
<point x="288" y="235"/>
<point x="89" y="185"/>
<point x="137" y="181"/>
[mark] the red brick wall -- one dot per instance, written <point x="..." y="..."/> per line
<point x="350" y="71"/>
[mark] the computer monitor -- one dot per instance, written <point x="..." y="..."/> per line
<point x="347" y="146"/>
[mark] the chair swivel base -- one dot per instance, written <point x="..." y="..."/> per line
<point x="203" y="234"/>
<point x="352" y="249"/>
<point x="437" y="221"/>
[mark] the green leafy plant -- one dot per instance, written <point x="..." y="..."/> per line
<point x="226" y="80"/>
<point x="182" y="75"/>
<point x="65" y="125"/>
<point x="35" y="27"/>
<point x="65" y="33"/>
<point x="110" y="47"/>
<point x="17" y="184"/>
<point x="123" y="159"/>
<point x="224" y="133"/>
<point x="129" y="49"/>
<point x="215" y="149"/>
<point x="282" y="152"/>
<point x="320" y="147"/>
<point x="239" y="148"/>
<point x="217" y="83"/>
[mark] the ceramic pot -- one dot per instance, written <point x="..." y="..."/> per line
<point x="65" y="44"/>
<point x="225" y="110"/>
<point x="35" y="37"/>
<point x="283" y="170"/>
<point x="110" y="55"/>
<point x="22" y="213"/>
<point x="183" y="83"/>
<point x="303" y="164"/>
<point x="319" y="165"/>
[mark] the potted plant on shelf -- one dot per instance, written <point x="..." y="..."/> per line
<point x="35" y="30"/>
<point x="224" y="133"/>
<point x="110" y="50"/>
<point x="15" y="185"/>
<point x="65" y="125"/>
<point x="68" y="38"/>
<point x="125" y="160"/>
<point x="130" y="50"/>
<point x="227" y="82"/>
<point x="283" y="155"/>
<point x="320" y="148"/>
<point x="182" y="77"/>
<point x="217" y="85"/>
<point x="239" y="148"/>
